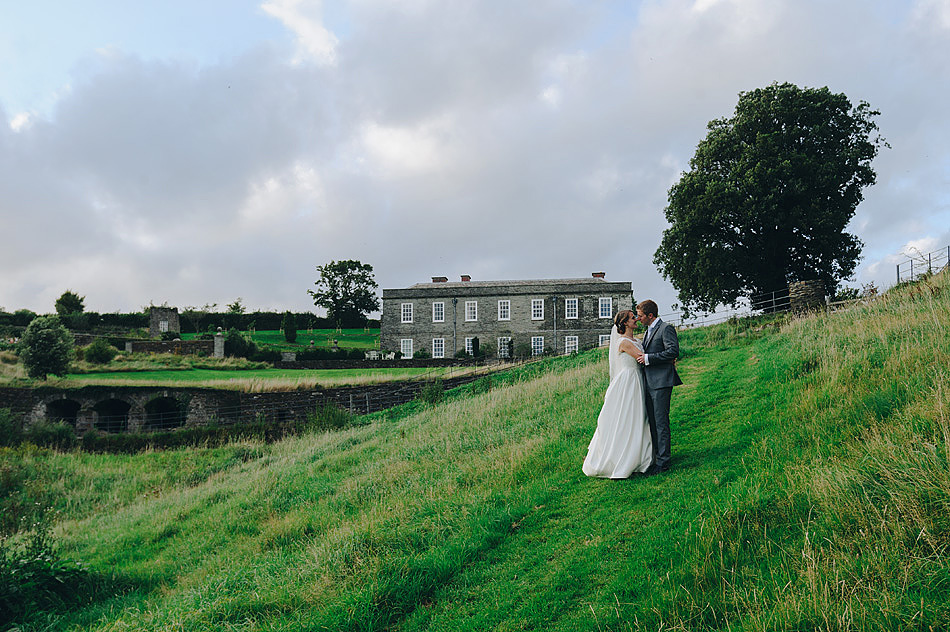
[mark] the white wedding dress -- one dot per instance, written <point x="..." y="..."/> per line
<point x="621" y="444"/>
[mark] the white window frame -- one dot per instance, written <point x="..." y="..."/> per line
<point x="469" y="345"/>
<point x="609" y="303"/>
<point x="603" y="340"/>
<point x="471" y="311"/>
<point x="163" y="326"/>
<point x="571" y="345"/>
<point x="438" y="347"/>
<point x="537" y="345"/>
<point x="504" y="310"/>
<point x="537" y="309"/>
<point x="503" y="347"/>
<point x="406" y="312"/>
<point x="405" y="346"/>
<point x="438" y="312"/>
<point x="570" y="309"/>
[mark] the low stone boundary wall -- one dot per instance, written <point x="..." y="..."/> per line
<point x="177" y="347"/>
<point x="138" y="409"/>
<point x="376" y="364"/>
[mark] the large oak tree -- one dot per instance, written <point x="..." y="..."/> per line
<point x="768" y="196"/>
<point x="347" y="290"/>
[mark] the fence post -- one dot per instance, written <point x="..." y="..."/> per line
<point x="367" y="402"/>
<point x="351" y="402"/>
<point x="929" y="264"/>
<point x="898" y="273"/>
<point x="911" y="279"/>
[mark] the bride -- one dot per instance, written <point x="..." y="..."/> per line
<point x="621" y="444"/>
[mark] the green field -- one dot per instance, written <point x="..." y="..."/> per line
<point x="810" y="490"/>
<point x="322" y="338"/>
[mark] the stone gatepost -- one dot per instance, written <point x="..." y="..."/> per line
<point x="804" y="296"/>
<point x="219" y="344"/>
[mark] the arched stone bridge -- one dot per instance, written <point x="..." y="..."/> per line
<point x="143" y="408"/>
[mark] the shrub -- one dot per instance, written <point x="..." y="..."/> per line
<point x="23" y="317"/>
<point x="57" y="435"/>
<point x="46" y="347"/>
<point x="34" y="578"/>
<point x="11" y="432"/>
<point x="329" y="417"/>
<point x="100" y="352"/>
<point x="432" y="392"/>
<point x="264" y="355"/>
<point x="289" y="325"/>
<point x="236" y="345"/>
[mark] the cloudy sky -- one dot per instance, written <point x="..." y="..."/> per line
<point x="195" y="152"/>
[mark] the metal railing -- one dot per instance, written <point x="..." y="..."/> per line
<point x="922" y="264"/>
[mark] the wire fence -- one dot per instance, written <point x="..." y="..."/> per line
<point x="915" y="267"/>
<point x="922" y="264"/>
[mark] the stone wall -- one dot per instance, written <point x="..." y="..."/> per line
<point x="113" y="409"/>
<point x="804" y="296"/>
<point x="177" y="347"/>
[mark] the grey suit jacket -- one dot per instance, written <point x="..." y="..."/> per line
<point x="663" y="347"/>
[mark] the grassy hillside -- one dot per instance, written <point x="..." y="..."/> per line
<point x="810" y="491"/>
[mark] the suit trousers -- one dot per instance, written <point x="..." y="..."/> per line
<point x="658" y="409"/>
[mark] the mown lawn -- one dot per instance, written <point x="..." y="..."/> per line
<point x="322" y="338"/>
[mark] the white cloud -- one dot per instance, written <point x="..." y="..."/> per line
<point x="314" y="41"/>
<point x="406" y="150"/>
<point x="20" y="121"/>
<point x="547" y="134"/>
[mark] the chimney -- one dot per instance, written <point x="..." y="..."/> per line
<point x="465" y="277"/>
<point x="598" y="275"/>
<point x="439" y="279"/>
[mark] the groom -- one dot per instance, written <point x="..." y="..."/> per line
<point x="660" y="350"/>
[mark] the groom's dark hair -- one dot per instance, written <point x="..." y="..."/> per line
<point x="648" y="307"/>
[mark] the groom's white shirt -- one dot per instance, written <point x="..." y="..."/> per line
<point x="649" y="336"/>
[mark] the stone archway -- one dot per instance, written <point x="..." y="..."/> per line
<point x="164" y="413"/>
<point x="112" y="415"/>
<point x="63" y="411"/>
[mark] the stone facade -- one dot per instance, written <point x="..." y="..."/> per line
<point x="553" y="316"/>
<point x="162" y="319"/>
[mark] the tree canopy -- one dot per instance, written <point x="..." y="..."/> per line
<point x="768" y="196"/>
<point x="70" y="303"/>
<point x="347" y="290"/>
<point x="46" y="347"/>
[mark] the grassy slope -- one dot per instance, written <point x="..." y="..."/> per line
<point x="811" y="490"/>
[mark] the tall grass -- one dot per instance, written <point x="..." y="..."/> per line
<point x="809" y="491"/>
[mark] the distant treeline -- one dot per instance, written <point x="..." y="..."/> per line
<point x="191" y="322"/>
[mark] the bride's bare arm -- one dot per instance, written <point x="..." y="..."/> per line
<point x="630" y="348"/>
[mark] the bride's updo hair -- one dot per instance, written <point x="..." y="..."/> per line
<point x="620" y="320"/>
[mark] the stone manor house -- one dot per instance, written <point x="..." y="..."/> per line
<point x="557" y="316"/>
